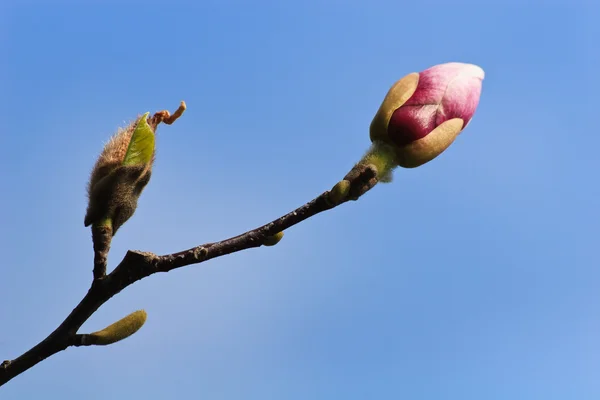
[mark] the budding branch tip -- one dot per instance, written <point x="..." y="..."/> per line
<point x="165" y="116"/>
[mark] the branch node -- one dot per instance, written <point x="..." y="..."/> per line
<point x="200" y="252"/>
<point x="135" y="256"/>
<point x="80" y="340"/>
<point x="362" y="178"/>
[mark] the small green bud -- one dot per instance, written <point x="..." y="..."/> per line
<point x="273" y="239"/>
<point x="120" y="330"/>
<point x="339" y="192"/>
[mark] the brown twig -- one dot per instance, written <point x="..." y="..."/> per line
<point x="101" y="237"/>
<point x="137" y="265"/>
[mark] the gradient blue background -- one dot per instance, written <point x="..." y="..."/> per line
<point x="476" y="276"/>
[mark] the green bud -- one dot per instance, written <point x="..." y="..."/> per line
<point x="120" y="330"/>
<point x="339" y="192"/>
<point x="273" y="239"/>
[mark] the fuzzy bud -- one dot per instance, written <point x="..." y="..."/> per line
<point x="118" y="331"/>
<point x="121" y="173"/>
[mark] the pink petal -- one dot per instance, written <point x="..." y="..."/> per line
<point x="444" y="92"/>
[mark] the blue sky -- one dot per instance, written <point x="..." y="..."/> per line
<point x="475" y="276"/>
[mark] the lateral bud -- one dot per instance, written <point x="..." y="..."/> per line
<point x="118" y="331"/>
<point x="273" y="239"/>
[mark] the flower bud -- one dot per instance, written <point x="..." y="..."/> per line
<point x="120" y="174"/>
<point x="423" y="113"/>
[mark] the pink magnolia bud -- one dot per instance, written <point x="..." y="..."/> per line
<point x="423" y="113"/>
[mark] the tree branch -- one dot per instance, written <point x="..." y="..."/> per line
<point x="137" y="265"/>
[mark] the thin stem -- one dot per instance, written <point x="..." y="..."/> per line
<point x="101" y="237"/>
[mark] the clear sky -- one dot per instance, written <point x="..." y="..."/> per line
<point x="476" y="276"/>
